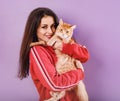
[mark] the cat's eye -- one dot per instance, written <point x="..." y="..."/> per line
<point x="67" y="31"/>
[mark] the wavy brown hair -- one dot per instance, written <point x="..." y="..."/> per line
<point x="33" y="22"/>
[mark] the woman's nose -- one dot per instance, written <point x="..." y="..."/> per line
<point x="50" y="30"/>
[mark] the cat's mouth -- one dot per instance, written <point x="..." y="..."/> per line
<point x="66" y="37"/>
<point x="63" y="36"/>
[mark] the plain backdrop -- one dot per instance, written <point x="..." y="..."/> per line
<point x="98" y="28"/>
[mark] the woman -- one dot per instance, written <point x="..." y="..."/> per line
<point x="40" y="60"/>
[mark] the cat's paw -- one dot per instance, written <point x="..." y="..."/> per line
<point x="79" y="65"/>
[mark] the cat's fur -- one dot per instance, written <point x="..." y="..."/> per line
<point x="65" y="62"/>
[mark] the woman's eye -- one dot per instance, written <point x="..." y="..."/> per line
<point x="44" y="27"/>
<point x="53" y="26"/>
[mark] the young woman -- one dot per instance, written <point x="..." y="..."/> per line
<point x="40" y="60"/>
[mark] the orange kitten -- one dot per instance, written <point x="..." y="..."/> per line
<point x="65" y="62"/>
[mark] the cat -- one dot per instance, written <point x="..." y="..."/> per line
<point x="65" y="62"/>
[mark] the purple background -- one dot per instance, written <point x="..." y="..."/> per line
<point x="98" y="27"/>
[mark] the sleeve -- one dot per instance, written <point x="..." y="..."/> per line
<point x="47" y="75"/>
<point x="76" y="51"/>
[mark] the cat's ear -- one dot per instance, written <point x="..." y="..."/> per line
<point x="73" y="27"/>
<point x="61" y="21"/>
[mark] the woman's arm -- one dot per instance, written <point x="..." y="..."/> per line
<point x="76" y="51"/>
<point x="44" y="70"/>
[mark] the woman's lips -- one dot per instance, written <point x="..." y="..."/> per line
<point x="49" y="36"/>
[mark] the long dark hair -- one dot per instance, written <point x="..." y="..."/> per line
<point x="32" y="24"/>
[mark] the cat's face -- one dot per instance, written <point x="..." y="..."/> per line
<point x="65" y="30"/>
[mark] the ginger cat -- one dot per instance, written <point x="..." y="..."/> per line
<point x="65" y="62"/>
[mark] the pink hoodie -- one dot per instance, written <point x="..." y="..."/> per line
<point x="44" y="75"/>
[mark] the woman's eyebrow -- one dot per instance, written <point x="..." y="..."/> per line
<point x="43" y="24"/>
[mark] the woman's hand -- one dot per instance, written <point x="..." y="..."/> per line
<point x="58" y="45"/>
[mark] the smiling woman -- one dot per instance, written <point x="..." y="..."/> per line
<point x="41" y="60"/>
<point x="46" y="28"/>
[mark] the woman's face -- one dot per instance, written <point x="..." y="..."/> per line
<point x="46" y="28"/>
